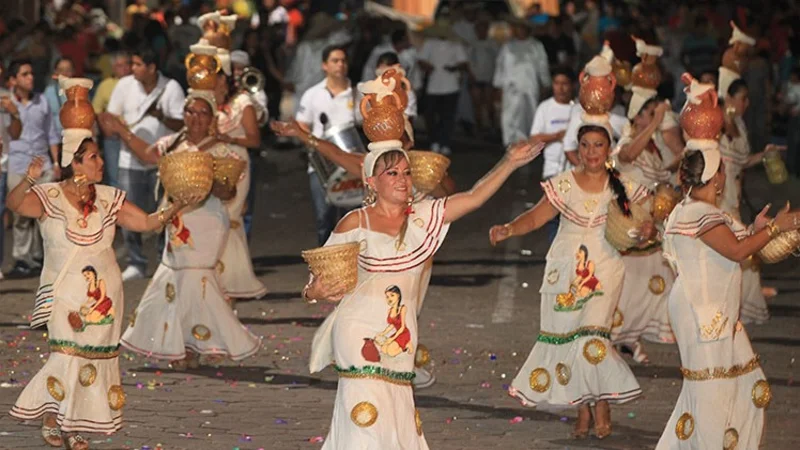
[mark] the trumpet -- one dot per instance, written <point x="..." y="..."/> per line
<point x="252" y="80"/>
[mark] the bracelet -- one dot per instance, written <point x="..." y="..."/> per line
<point x="161" y="216"/>
<point x="772" y="229"/>
<point x="313" y="142"/>
<point x="304" y="293"/>
<point x="30" y="180"/>
<point x="509" y="229"/>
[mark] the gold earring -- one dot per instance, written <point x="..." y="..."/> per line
<point x="370" y="197"/>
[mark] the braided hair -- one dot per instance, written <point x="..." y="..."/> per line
<point x="614" y="181"/>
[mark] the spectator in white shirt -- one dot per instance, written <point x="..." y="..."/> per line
<point x="549" y="125"/>
<point x="329" y="103"/>
<point x="444" y="60"/>
<point x="483" y="56"/>
<point x="152" y="106"/>
<point x="401" y="46"/>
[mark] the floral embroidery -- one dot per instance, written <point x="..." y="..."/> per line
<point x="583" y="288"/>
<point x="396" y="337"/>
<point x="98" y="308"/>
<point x="715" y="328"/>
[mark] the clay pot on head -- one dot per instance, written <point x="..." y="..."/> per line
<point x="646" y="74"/>
<point x="200" y="70"/>
<point x="703" y="120"/>
<point x="732" y="60"/>
<point x="384" y="120"/>
<point x="622" y="72"/>
<point x="597" y="93"/>
<point x="401" y="87"/>
<point x="77" y="111"/>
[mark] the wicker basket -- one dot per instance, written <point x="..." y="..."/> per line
<point x="427" y="169"/>
<point x="187" y="175"/>
<point x="781" y="247"/>
<point x="620" y="230"/>
<point x="227" y="171"/>
<point x="337" y="263"/>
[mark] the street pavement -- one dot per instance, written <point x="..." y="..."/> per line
<point x="480" y="320"/>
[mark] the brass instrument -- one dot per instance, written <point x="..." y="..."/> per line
<point x="252" y="82"/>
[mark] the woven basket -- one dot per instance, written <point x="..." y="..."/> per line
<point x="781" y="247"/>
<point x="187" y="175"/>
<point x="427" y="169"/>
<point x="620" y="229"/>
<point x="337" y="263"/>
<point x="227" y="171"/>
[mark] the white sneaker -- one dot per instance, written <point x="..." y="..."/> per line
<point x="423" y="379"/>
<point x="132" y="273"/>
<point x="435" y="147"/>
<point x="446" y="151"/>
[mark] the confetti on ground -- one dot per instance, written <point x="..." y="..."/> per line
<point x="517" y="419"/>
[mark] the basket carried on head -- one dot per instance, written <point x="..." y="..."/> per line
<point x="427" y="169"/>
<point x="227" y="171"/>
<point x="780" y="248"/>
<point x="621" y="231"/>
<point x="337" y="263"/>
<point x="187" y="175"/>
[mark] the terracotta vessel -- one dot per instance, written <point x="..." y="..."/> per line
<point x="77" y="111"/>
<point x="703" y="120"/>
<point x="646" y="73"/>
<point x="401" y="87"/>
<point x="734" y="61"/>
<point x="200" y="70"/>
<point x="383" y="121"/>
<point x="597" y="93"/>
<point x="622" y="72"/>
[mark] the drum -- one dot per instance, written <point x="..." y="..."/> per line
<point x="344" y="190"/>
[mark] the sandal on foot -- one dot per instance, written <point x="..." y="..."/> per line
<point x="76" y="442"/>
<point x="179" y="365"/>
<point x="52" y="435"/>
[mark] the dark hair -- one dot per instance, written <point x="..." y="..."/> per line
<point x="395" y="290"/>
<point x="650" y="101"/>
<point x="565" y="71"/>
<point x="89" y="269"/>
<point x="326" y="53"/>
<point x="585" y="251"/>
<point x="690" y="171"/>
<point x="68" y="172"/>
<point x="399" y="36"/>
<point x="147" y="55"/>
<point x="16" y="65"/>
<point x="736" y="86"/>
<point x="62" y="59"/>
<point x="387" y="59"/>
<point x="613" y="174"/>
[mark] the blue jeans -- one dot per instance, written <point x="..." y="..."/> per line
<point x="2" y="211"/>
<point x="111" y="147"/>
<point x="325" y="214"/>
<point x="140" y="187"/>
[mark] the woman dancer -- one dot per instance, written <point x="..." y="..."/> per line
<point x="237" y="124"/>
<point x="735" y="148"/>
<point x="724" y="389"/>
<point x="644" y="156"/>
<point x="572" y="362"/>
<point x="183" y="313"/>
<point x="374" y="402"/>
<point x="80" y="296"/>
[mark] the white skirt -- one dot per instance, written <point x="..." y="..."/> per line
<point x="374" y="415"/>
<point x="754" y="305"/>
<point x="186" y="309"/>
<point x="236" y="267"/>
<point x="642" y="310"/>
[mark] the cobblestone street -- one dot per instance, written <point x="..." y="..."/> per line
<point x="480" y="320"/>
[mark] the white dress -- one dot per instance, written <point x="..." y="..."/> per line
<point x="642" y="310"/>
<point x="724" y="389"/>
<point x="80" y="299"/>
<point x="184" y="305"/>
<point x="371" y="337"/>
<point x="573" y="361"/>
<point x="735" y="153"/>
<point x="236" y="267"/>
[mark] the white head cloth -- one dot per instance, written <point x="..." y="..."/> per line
<point x="598" y="67"/>
<point x="229" y="21"/>
<point x="598" y="120"/>
<point x="607" y="53"/>
<point x="640" y="96"/>
<point x="205" y="95"/>
<point x="372" y="157"/>
<point x="642" y="48"/>
<point x="71" y="139"/>
<point x="203" y="49"/>
<point x="205" y="18"/>
<point x="711" y="156"/>
<point x="65" y="83"/>
<point x="225" y="60"/>
<point x="397" y="67"/>
<point x="739" y="36"/>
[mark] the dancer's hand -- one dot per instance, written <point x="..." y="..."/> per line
<point x="322" y="288"/>
<point x="500" y="233"/>
<point x="522" y="153"/>
<point x="35" y="168"/>
<point x="647" y="231"/>
<point x="786" y="220"/>
<point x="286" y="129"/>
<point x="762" y="219"/>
